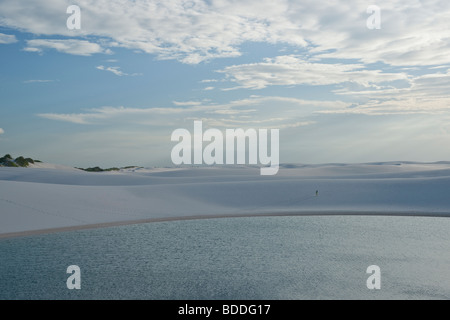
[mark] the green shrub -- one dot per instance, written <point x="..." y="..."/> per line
<point x="22" y="162"/>
<point x="94" y="169"/>
<point x="8" y="161"/>
<point x="10" y="164"/>
<point x="5" y="159"/>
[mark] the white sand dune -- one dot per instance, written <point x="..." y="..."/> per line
<point x="51" y="196"/>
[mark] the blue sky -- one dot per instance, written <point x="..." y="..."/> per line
<point x="112" y="92"/>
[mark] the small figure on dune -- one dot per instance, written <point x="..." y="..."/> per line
<point x="317" y="193"/>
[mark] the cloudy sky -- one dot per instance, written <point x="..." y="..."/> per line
<point x="112" y="92"/>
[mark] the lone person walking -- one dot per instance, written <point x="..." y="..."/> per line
<point x="317" y="193"/>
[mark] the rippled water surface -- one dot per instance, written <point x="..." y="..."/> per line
<point x="239" y="258"/>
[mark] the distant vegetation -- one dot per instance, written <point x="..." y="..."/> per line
<point x="8" y="161"/>
<point x="98" y="169"/>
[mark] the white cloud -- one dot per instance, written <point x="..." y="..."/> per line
<point x="186" y="103"/>
<point x="7" y="38"/>
<point x="412" y="32"/>
<point x="70" y="46"/>
<point x="209" y="80"/>
<point x="253" y="112"/>
<point x="439" y="67"/>
<point x="189" y="31"/>
<point x="293" y="70"/>
<point x="114" y="70"/>
<point x="80" y="118"/>
<point x="426" y="94"/>
<point x="29" y="49"/>
<point x="244" y="122"/>
<point x="38" y="81"/>
<point x="2" y="131"/>
<point x="297" y="124"/>
<point x="105" y="113"/>
<point x="117" y="71"/>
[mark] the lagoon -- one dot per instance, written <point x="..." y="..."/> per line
<point x="251" y="258"/>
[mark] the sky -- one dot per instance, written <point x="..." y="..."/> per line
<point x="112" y="92"/>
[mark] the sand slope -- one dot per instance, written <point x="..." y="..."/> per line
<point x="50" y="196"/>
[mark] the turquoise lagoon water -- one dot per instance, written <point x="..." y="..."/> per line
<point x="235" y="258"/>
